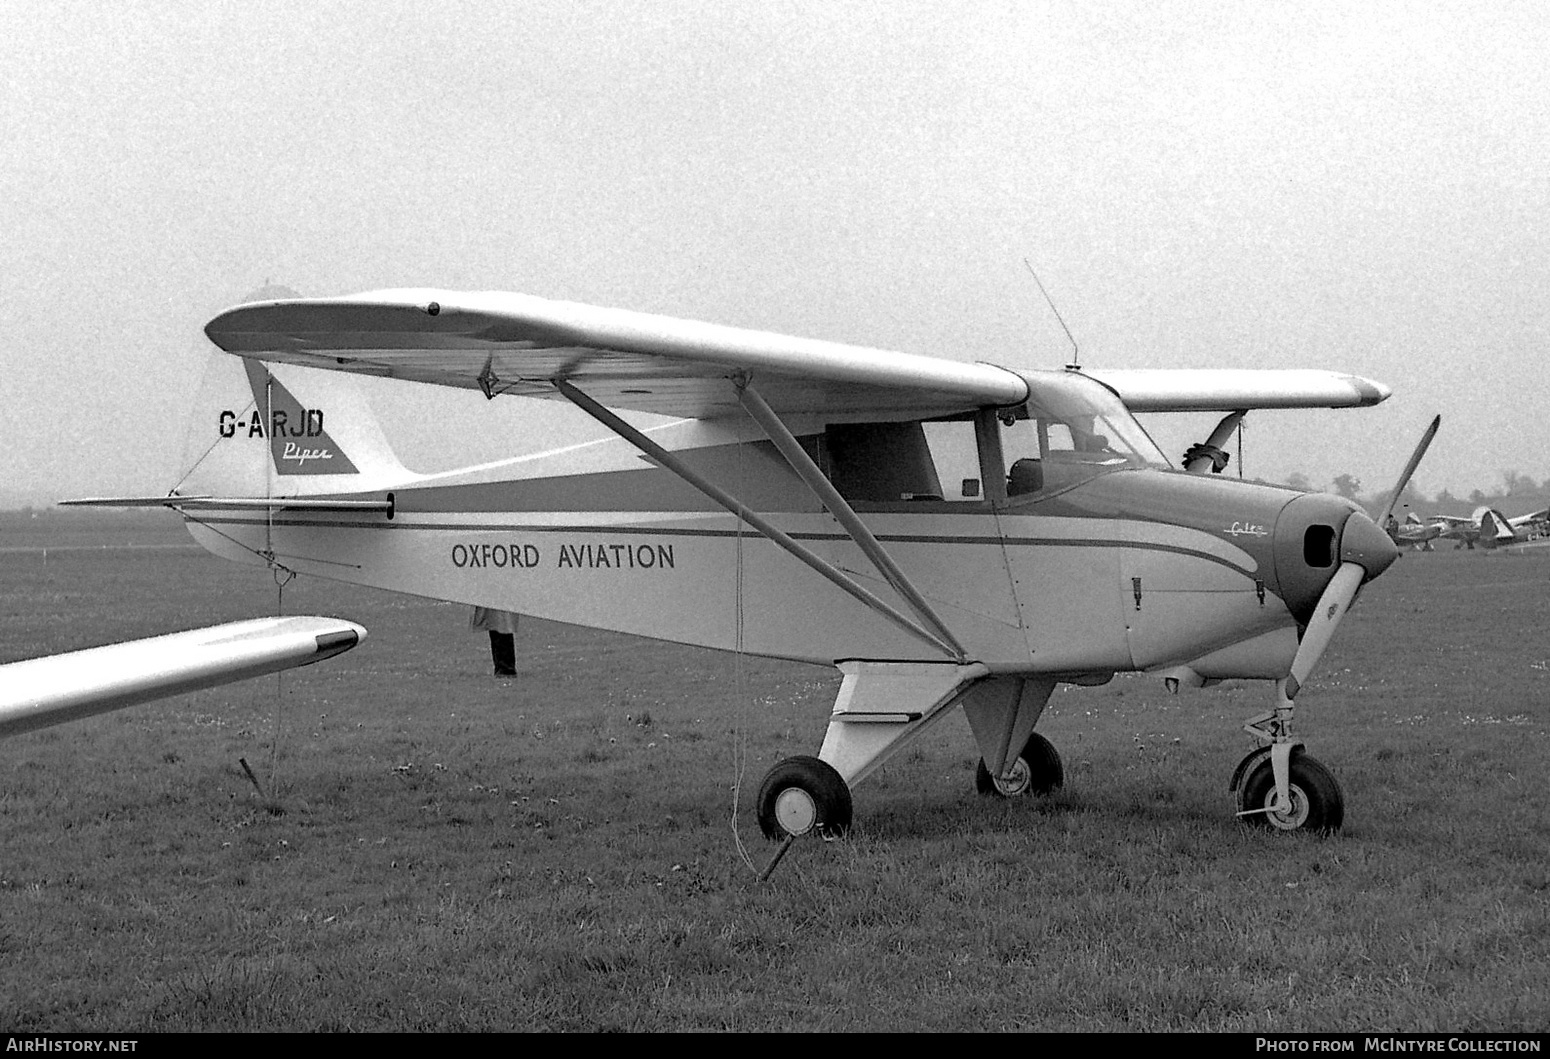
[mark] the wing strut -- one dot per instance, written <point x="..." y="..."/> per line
<point x="1210" y="455"/>
<point x="803" y="464"/>
<point x="753" y="518"/>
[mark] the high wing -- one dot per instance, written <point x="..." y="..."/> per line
<point x="41" y="692"/>
<point x="521" y="344"/>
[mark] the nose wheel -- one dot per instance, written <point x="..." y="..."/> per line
<point x="1314" y="800"/>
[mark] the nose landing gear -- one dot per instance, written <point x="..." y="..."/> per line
<point x="1281" y="786"/>
<point x="1314" y="801"/>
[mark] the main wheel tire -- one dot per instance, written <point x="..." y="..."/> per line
<point x="1317" y="802"/>
<point x="1037" y="770"/>
<point x="803" y="795"/>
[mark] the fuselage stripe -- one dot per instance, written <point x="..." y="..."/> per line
<point x="649" y="531"/>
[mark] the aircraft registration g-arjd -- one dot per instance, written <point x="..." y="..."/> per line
<point x="945" y="533"/>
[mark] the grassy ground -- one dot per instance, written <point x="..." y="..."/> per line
<point x="436" y="849"/>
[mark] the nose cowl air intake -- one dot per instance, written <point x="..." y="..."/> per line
<point x="1314" y="535"/>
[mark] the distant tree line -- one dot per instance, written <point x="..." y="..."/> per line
<point x="1518" y="490"/>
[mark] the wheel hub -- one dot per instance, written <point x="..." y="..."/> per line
<point x="796" y="811"/>
<point x="1294" y="816"/>
<point x="1016" y="781"/>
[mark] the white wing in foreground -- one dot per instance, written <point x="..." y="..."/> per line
<point x="45" y="691"/>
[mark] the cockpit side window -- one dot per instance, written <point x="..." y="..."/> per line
<point x="1069" y="430"/>
<point x="955" y="452"/>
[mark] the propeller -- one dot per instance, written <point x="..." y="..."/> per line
<point x="1404" y="478"/>
<point x="1337" y="598"/>
<point x="1363" y="558"/>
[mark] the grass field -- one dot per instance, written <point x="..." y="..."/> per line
<point x="435" y="849"/>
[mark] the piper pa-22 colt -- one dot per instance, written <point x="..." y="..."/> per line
<point x="944" y="533"/>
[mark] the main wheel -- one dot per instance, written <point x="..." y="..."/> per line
<point x="1037" y="770"/>
<point x="801" y="795"/>
<point x="1317" y="803"/>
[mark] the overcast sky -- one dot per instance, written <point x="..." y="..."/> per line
<point x="1361" y="187"/>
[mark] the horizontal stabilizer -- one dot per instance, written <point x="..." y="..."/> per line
<point x="46" y="691"/>
<point x="237" y="503"/>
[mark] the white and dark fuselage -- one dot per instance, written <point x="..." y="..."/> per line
<point x="946" y="533"/>
<point x="1104" y="566"/>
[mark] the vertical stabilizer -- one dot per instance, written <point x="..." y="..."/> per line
<point x="299" y="441"/>
<point x="277" y="430"/>
<point x="1495" y="528"/>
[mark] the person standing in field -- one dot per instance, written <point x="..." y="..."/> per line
<point x="502" y="627"/>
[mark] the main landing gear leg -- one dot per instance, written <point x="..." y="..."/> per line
<point x="881" y="708"/>
<point x="1015" y="760"/>
<point x="1279" y="785"/>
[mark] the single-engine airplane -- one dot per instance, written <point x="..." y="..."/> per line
<point x="945" y="533"/>
<point x="1526" y="528"/>
<point x="1487" y="528"/>
<point x="1496" y="530"/>
<point x="1413" y="533"/>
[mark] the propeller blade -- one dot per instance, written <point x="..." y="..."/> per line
<point x="1333" y="604"/>
<point x="1404" y="478"/>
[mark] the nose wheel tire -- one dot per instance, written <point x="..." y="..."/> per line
<point x="1317" y="803"/>
<point x="1037" y="770"/>
<point x="803" y="795"/>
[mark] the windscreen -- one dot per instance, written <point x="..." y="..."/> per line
<point x="1072" y="422"/>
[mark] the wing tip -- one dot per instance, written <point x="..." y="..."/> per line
<point x="338" y="642"/>
<point x="1369" y="391"/>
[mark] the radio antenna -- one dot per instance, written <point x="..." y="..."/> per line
<point x="1076" y="353"/>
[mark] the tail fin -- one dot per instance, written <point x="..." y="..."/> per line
<point x="278" y="430"/>
<point x="1495" y="529"/>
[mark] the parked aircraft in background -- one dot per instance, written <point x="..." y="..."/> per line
<point x="1499" y="531"/>
<point x="1487" y="527"/>
<point x="1414" y="533"/>
<point x="945" y="533"/>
